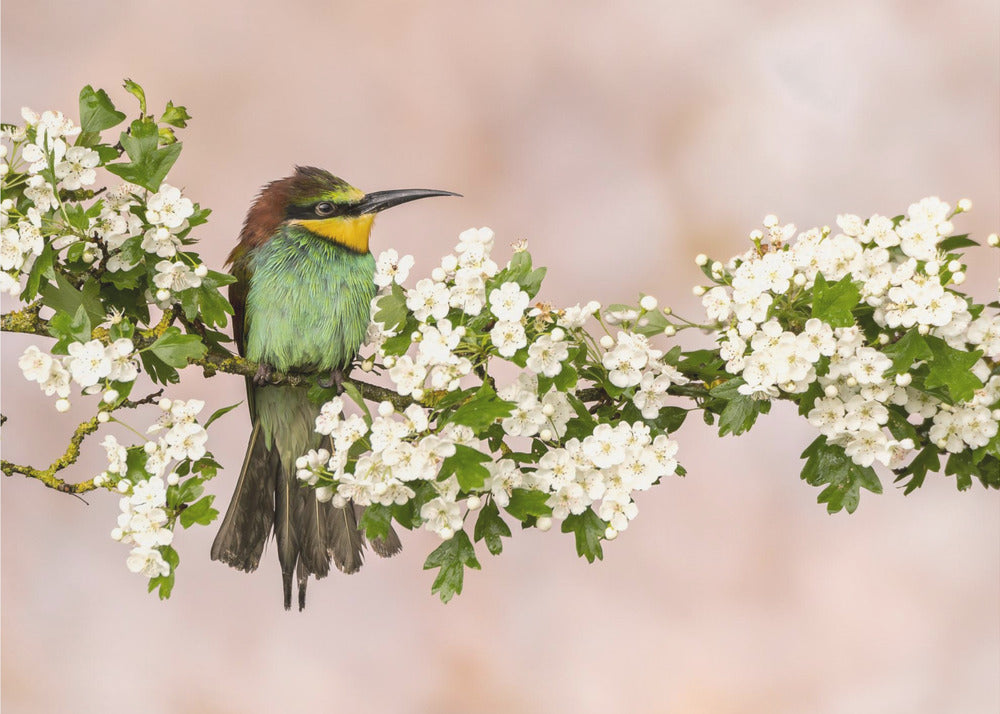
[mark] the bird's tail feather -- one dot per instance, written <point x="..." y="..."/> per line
<point x="250" y="516"/>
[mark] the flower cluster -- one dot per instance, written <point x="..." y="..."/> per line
<point x="864" y="328"/>
<point x="92" y="365"/>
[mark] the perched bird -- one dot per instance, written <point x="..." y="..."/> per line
<point x="304" y="283"/>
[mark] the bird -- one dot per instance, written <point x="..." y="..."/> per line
<point x="301" y="302"/>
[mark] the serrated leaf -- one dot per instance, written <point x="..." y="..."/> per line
<point x="908" y="349"/>
<point x="176" y="349"/>
<point x="952" y="369"/>
<point x="491" y="528"/>
<point x="589" y="530"/>
<point x="452" y="557"/>
<point x="484" y="408"/>
<point x="833" y="302"/>
<point x="175" y="116"/>
<point x="97" y="111"/>
<point x="467" y="465"/>
<point x="376" y="521"/>
<point x="526" y="503"/>
<point x="200" y="512"/>
<point x="136" y="91"/>
<point x="741" y="413"/>
<point x="165" y="583"/>
<point x="149" y="164"/>
<point x="41" y="270"/>
<point x="391" y="308"/>
<point x="828" y="464"/>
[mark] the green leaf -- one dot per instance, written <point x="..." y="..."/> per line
<point x="828" y="464"/>
<point x="175" y="116"/>
<point x="467" y="465"/>
<point x="482" y="409"/>
<point x="833" y="303"/>
<point x="951" y="368"/>
<point x="66" y="328"/>
<point x="351" y="390"/>
<point x="41" y="269"/>
<point x="955" y="242"/>
<point x="392" y="311"/>
<point x="908" y="349"/>
<point x="376" y="521"/>
<point x="149" y="164"/>
<point x="166" y="582"/>
<point x="220" y="412"/>
<point x="97" y="112"/>
<point x="927" y="461"/>
<point x="452" y="557"/>
<point x="199" y="512"/>
<point x="740" y="414"/>
<point x="526" y="503"/>
<point x="589" y="530"/>
<point x="491" y="528"/>
<point x="177" y="349"/>
<point x="138" y="92"/>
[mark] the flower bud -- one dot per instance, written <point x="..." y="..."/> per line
<point x="607" y="341"/>
<point x="851" y="382"/>
<point x="698" y="290"/>
<point x="993" y="240"/>
<point x="882" y="339"/>
<point x="88" y="257"/>
<point x="668" y="310"/>
<point x="610" y="533"/>
<point x="701" y="259"/>
<point x="548" y="410"/>
<point x="117" y="534"/>
<point x="123" y="486"/>
<point x="173" y="479"/>
<point x="149" y="447"/>
<point x="931" y="267"/>
<point x="446" y="533"/>
<point x="368" y="365"/>
<point x="558" y="334"/>
<point x="165" y="404"/>
<point x="418" y="394"/>
<point x="338" y="501"/>
<point x="906" y="443"/>
<point x="669" y="330"/>
<point x="904" y="379"/>
<point x="831" y="390"/>
<point x="474" y="503"/>
<point x="62" y="405"/>
<point x="110" y="396"/>
<point x="545" y="435"/>
<point x="389" y="361"/>
<point x="385" y="409"/>
<point x="438" y="275"/>
<point x="648" y="302"/>
<point x="103" y="417"/>
<point x="964" y="204"/>
<point x="543" y="523"/>
<point x="923" y="329"/>
<point x="717" y="269"/>
<point x="958" y="278"/>
<point x="799" y="279"/>
<point x="954" y="266"/>
<point x="162" y="294"/>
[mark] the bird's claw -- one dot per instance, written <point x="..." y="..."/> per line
<point x="264" y="374"/>
<point x="334" y="379"/>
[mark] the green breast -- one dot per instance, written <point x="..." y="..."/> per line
<point x="308" y="302"/>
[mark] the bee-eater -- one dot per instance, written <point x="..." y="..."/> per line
<point x="304" y="284"/>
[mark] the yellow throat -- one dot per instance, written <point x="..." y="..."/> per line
<point x="352" y="232"/>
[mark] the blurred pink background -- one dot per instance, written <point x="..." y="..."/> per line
<point x="621" y="139"/>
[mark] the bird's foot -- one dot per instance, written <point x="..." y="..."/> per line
<point x="264" y="374"/>
<point x="334" y="379"/>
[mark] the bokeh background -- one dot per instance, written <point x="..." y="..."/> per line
<point x="621" y="139"/>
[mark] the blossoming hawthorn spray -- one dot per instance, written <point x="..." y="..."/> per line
<point x="305" y="282"/>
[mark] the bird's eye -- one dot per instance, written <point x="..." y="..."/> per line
<point x="324" y="209"/>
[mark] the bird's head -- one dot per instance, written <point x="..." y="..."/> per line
<point x="325" y="205"/>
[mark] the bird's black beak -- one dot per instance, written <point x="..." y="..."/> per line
<point x="381" y="200"/>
